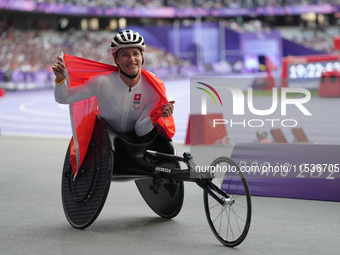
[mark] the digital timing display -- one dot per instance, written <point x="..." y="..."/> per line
<point x="307" y="75"/>
<point x="311" y="70"/>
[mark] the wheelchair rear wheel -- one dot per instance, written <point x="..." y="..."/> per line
<point x="164" y="197"/>
<point x="83" y="197"/>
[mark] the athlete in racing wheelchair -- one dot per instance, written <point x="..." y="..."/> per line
<point x="132" y="103"/>
<point x="122" y="126"/>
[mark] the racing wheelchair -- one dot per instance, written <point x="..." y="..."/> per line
<point x="160" y="180"/>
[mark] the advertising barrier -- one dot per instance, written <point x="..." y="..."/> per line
<point x="330" y="84"/>
<point x="305" y="171"/>
<point x="163" y="12"/>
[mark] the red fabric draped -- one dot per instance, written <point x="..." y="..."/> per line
<point x="83" y="113"/>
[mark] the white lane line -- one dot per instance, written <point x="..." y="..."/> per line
<point x="24" y="107"/>
<point x="35" y="135"/>
<point x="37" y="127"/>
<point x="58" y="120"/>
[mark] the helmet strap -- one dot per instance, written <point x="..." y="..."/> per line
<point x="128" y="75"/>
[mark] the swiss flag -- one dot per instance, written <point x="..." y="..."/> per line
<point x="138" y="97"/>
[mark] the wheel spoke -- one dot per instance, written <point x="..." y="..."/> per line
<point x="238" y="184"/>
<point x="235" y="214"/>
<point x="239" y="217"/>
<point x="241" y="206"/>
<point x="217" y="204"/>
<point x="229" y="225"/>
<point x="219" y="230"/>
<point x="218" y="216"/>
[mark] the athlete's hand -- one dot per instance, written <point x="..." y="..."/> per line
<point x="59" y="69"/>
<point x="168" y="109"/>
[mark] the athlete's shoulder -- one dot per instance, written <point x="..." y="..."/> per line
<point x="155" y="82"/>
<point x="110" y="77"/>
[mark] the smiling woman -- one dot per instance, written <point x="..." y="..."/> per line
<point x="129" y="61"/>
<point x="132" y="100"/>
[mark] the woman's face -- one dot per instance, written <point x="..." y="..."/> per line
<point x="129" y="60"/>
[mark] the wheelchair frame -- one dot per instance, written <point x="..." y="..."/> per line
<point x="159" y="178"/>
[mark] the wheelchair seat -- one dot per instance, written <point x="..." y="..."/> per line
<point x="132" y="159"/>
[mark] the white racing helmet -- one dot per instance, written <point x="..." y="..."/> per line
<point x="127" y="39"/>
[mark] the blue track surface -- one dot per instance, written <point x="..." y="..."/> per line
<point x="36" y="113"/>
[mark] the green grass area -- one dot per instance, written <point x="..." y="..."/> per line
<point x="268" y="93"/>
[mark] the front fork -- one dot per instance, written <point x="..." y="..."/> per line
<point x="204" y="180"/>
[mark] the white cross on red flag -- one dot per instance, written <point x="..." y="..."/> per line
<point x="138" y="97"/>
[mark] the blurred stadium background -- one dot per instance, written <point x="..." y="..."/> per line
<point x="256" y="39"/>
<point x="257" y="43"/>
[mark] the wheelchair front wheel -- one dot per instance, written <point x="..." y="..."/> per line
<point x="230" y="221"/>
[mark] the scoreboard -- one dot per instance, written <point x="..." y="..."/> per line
<point x="305" y="71"/>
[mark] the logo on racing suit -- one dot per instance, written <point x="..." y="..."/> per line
<point x="136" y="101"/>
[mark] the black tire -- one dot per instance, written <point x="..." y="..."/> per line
<point x="83" y="197"/>
<point x="164" y="197"/>
<point x="229" y="222"/>
<point x="167" y="201"/>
